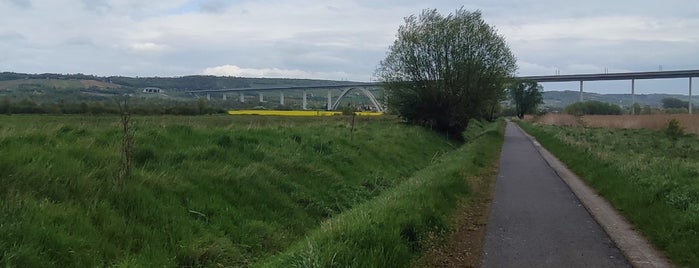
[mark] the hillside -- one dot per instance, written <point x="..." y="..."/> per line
<point x="54" y="84"/>
<point x="10" y="81"/>
<point x="79" y="93"/>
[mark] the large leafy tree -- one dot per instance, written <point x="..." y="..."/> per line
<point x="443" y="71"/>
<point x="674" y="103"/>
<point x="526" y="95"/>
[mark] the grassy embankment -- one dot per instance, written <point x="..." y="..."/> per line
<point x="649" y="178"/>
<point x="396" y="227"/>
<point x="216" y="190"/>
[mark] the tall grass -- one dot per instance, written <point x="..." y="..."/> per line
<point x="655" y="122"/>
<point x="204" y="191"/>
<point x="392" y="229"/>
<point x="650" y="178"/>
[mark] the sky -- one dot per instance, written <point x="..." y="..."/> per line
<point x="339" y="39"/>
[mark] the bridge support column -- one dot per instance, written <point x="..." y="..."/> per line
<point x="262" y="97"/>
<point x="633" y="96"/>
<point x="330" y="100"/>
<point x="281" y="97"/>
<point x="305" y="102"/>
<point x="208" y="96"/>
<point x="690" y="95"/>
<point x="224" y="96"/>
<point x="242" y="97"/>
<point x="581" y="91"/>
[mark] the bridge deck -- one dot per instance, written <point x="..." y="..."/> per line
<point x="539" y="78"/>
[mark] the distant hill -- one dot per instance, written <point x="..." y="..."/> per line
<point x="57" y="84"/>
<point x="79" y="86"/>
<point x="10" y="80"/>
<point x="560" y="99"/>
<point x="60" y="90"/>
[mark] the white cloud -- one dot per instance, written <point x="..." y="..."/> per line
<point x="232" y="70"/>
<point x="612" y="28"/>
<point x="147" y="47"/>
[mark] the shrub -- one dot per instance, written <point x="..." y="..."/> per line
<point x="673" y="130"/>
<point x="593" y="107"/>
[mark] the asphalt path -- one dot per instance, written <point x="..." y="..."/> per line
<point x="536" y="220"/>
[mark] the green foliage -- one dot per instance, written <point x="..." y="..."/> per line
<point x="647" y="110"/>
<point x="643" y="175"/>
<point x="674" y="131"/>
<point x="676" y="110"/>
<point x="443" y="71"/>
<point x="593" y="107"/>
<point x="392" y="229"/>
<point x="6" y="105"/>
<point x="205" y="190"/>
<point x="348" y="110"/>
<point x="674" y="103"/>
<point x="527" y="96"/>
<point x="636" y="109"/>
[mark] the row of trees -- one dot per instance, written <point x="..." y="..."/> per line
<point x="593" y="107"/>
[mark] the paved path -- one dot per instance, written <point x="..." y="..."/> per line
<point x="535" y="219"/>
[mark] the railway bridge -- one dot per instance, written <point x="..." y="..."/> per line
<point x="346" y="88"/>
<point x="366" y="87"/>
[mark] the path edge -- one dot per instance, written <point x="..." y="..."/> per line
<point x="637" y="249"/>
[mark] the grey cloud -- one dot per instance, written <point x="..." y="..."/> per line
<point x="316" y="36"/>
<point x="214" y="6"/>
<point x="22" y="3"/>
<point x="11" y="36"/>
<point x="79" y="41"/>
<point x="100" y="6"/>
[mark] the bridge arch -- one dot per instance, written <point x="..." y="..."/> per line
<point x="366" y="92"/>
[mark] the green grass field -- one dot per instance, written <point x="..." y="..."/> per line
<point x="205" y="191"/>
<point x="644" y="174"/>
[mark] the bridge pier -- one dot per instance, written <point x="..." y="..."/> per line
<point x="581" y="91"/>
<point x="208" y="96"/>
<point x="690" y="95"/>
<point x="633" y="96"/>
<point x="242" y="97"/>
<point x="224" y="96"/>
<point x="262" y="97"/>
<point x="330" y="100"/>
<point x="305" y="102"/>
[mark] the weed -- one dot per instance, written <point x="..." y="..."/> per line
<point x="674" y="131"/>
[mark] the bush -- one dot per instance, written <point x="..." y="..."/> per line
<point x="673" y="130"/>
<point x="593" y="107"/>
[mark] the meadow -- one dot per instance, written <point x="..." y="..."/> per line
<point x="648" y="176"/>
<point x="223" y="190"/>
<point x="690" y="123"/>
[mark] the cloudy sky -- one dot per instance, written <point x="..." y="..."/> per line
<point x="335" y="39"/>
